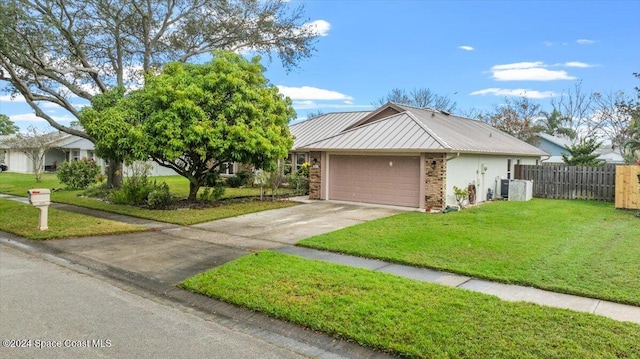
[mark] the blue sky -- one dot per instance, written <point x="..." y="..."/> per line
<point x="476" y="52"/>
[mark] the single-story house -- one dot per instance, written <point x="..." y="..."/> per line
<point x="405" y="156"/>
<point x="555" y="146"/>
<point x="63" y="147"/>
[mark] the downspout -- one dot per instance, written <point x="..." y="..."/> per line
<point x="451" y="158"/>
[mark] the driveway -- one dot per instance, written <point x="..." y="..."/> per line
<point x="172" y="254"/>
<point x="285" y="226"/>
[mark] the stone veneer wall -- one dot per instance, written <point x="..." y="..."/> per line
<point x="315" y="175"/>
<point x="435" y="181"/>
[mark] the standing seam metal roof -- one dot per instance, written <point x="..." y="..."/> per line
<point x="321" y="127"/>
<point x="418" y="129"/>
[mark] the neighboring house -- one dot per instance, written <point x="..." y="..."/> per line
<point x="405" y="156"/>
<point x="64" y="147"/>
<point x="555" y="146"/>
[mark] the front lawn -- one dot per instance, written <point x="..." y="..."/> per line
<point x="580" y="247"/>
<point x="17" y="184"/>
<point x="22" y="219"/>
<point x="411" y="318"/>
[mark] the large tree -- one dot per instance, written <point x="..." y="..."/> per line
<point x="54" y="52"/>
<point x="516" y="116"/>
<point x="7" y="127"/>
<point x="576" y="106"/>
<point x="193" y="118"/>
<point x="419" y="97"/>
<point x="631" y="108"/>
<point x="555" y="124"/>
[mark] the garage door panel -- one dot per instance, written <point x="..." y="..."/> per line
<point x="391" y="180"/>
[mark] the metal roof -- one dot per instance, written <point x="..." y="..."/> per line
<point x="418" y="129"/>
<point x="321" y="127"/>
<point x="560" y="141"/>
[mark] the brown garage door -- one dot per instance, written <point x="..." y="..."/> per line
<point x="391" y="180"/>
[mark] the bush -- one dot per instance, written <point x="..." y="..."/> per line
<point x="160" y="197"/>
<point x="78" y="174"/>
<point x="211" y="194"/>
<point x="242" y="178"/>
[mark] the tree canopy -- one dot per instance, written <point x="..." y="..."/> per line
<point x="58" y="51"/>
<point x="517" y="117"/>
<point x="7" y="127"/>
<point x="193" y="118"/>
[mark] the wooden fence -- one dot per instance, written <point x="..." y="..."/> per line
<point x="627" y="187"/>
<point x="570" y="182"/>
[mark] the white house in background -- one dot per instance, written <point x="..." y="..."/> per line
<point x="405" y="156"/>
<point x="64" y="147"/>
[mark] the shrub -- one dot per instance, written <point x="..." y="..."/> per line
<point x="78" y="174"/>
<point x="242" y="178"/>
<point x="211" y="194"/>
<point x="160" y="197"/>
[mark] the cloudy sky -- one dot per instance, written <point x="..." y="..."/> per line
<point x="475" y="52"/>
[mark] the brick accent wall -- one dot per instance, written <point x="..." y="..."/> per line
<point x="315" y="175"/>
<point x="435" y="181"/>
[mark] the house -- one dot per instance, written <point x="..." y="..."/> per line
<point x="555" y="146"/>
<point x="405" y="156"/>
<point x="63" y="147"/>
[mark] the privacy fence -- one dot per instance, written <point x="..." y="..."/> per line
<point x="570" y="182"/>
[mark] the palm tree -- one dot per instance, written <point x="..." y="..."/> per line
<point x="554" y="124"/>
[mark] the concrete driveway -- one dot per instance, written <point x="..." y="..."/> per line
<point x="172" y="254"/>
<point x="285" y="226"/>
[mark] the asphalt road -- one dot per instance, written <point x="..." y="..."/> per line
<point x="55" y="312"/>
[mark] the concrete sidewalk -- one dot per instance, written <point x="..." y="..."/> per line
<point x="509" y="292"/>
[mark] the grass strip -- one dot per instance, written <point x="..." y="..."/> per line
<point x="408" y="317"/>
<point x="585" y="248"/>
<point x="22" y="219"/>
<point x="17" y="184"/>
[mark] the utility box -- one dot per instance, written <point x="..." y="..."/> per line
<point x="504" y="188"/>
<point x="520" y="190"/>
<point x="39" y="196"/>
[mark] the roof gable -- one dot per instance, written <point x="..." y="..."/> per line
<point x="389" y="109"/>
<point x="324" y="126"/>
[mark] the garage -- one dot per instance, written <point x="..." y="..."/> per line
<point x="393" y="180"/>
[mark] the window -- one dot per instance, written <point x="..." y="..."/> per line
<point x="509" y="168"/>
<point x="91" y="155"/>
<point x="75" y="155"/>
<point x="300" y="159"/>
<point x="227" y="168"/>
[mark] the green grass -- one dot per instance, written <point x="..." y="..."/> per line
<point x="17" y="184"/>
<point x="411" y="318"/>
<point x="22" y="219"/>
<point x="581" y="247"/>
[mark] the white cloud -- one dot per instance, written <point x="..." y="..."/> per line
<point x="12" y="98"/>
<point x="348" y="102"/>
<point x="577" y="64"/>
<point x="515" y="92"/>
<point x="585" y="41"/>
<point x="528" y="71"/>
<point x="466" y="48"/>
<point x="31" y="117"/>
<point x="312" y="93"/>
<point x="319" y="27"/>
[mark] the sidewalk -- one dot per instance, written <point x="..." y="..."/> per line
<point x="161" y="255"/>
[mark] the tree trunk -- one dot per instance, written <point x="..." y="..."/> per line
<point x="114" y="174"/>
<point x="194" y="186"/>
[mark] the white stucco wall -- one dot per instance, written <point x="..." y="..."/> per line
<point x="18" y="162"/>
<point x="481" y="170"/>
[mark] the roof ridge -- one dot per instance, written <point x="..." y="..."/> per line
<point x="437" y="138"/>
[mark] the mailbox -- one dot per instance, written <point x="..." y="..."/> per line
<point x="39" y="196"/>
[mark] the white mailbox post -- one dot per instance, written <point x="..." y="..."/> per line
<point x="41" y="198"/>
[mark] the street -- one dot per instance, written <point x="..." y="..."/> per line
<point x="50" y="311"/>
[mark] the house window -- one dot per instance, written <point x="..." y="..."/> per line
<point x="509" y="168"/>
<point x="91" y="155"/>
<point x="227" y="168"/>
<point x="300" y="159"/>
<point x="75" y="155"/>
